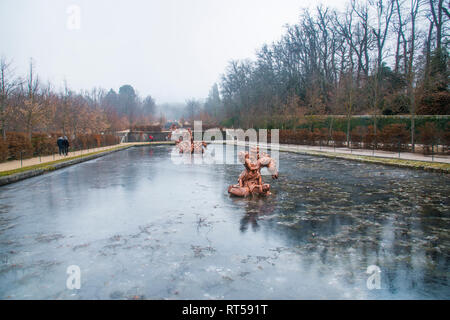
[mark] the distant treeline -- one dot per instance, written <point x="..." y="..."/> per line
<point x="18" y="145"/>
<point x="392" y="132"/>
<point x="28" y="105"/>
<point x="381" y="57"/>
<point x="340" y="123"/>
<point x="377" y="57"/>
<point x="392" y="137"/>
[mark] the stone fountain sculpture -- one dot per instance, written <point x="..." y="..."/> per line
<point x="185" y="142"/>
<point x="250" y="180"/>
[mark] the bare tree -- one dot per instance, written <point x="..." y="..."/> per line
<point x="7" y="85"/>
<point x="414" y="10"/>
<point x="400" y="41"/>
<point x="192" y="109"/>
<point x="31" y="110"/>
<point x="438" y="12"/>
<point x="385" y="9"/>
<point x="363" y="36"/>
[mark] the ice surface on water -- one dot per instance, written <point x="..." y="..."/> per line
<point x="141" y="227"/>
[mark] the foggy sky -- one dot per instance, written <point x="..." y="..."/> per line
<point x="170" y="49"/>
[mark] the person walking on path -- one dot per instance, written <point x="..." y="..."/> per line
<point x="66" y="146"/>
<point x="60" y="143"/>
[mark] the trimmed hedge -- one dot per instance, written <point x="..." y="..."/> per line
<point x="4" y="153"/>
<point x="339" y="123"/>
<point x="19" y="145"/>
<point x="88" y="141"/>
<point x="393" y="137"/>
<point x="43" y="144"/>
<point x="429" y="136"/>
<point x="146" y="128"/>
<point x="339" y="138"/>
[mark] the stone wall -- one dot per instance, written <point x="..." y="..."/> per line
<point x="142" y="136"/>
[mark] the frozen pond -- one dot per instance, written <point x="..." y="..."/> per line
<point x="140" y="226"/>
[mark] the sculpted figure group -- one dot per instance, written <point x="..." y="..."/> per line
<point x="186" y="143"/>
<point x="250" y="180"/>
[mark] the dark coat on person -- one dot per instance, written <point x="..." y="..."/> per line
<point x="66" y="145"/>
<point x="60" y="142"/>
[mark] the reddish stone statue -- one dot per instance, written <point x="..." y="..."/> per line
<point x="250" y="180"/>
<point x="186" y="143"/>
